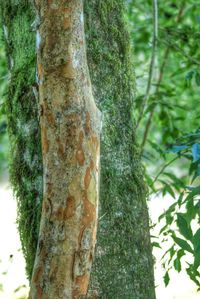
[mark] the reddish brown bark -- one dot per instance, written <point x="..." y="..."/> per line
<point x="70" y="125"/>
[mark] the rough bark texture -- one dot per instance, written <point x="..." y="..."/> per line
<point x="17" y="18"/>
<point x="123" y="262"/>
<point x="124" y="266"/>
<point x="70" y="126"/>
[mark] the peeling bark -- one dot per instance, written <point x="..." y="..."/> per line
<point x="70" y="125"/>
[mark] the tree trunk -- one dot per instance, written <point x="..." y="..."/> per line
<point x="123" y="265"/>
<point x="70" y="125"/>
<point x="17" y="18"/>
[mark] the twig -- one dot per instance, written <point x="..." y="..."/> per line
<point x="166" y="54"/>
<point x="163" y="168"/>
<point x="153" y="59"/>
<point x="148" y="124"/>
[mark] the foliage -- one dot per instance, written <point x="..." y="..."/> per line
<point x="184" y="214"/>
<point x="170" y="113"/>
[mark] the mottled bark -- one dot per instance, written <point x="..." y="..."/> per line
<point x="123" y="265"/>
<point x="70" y="126"/>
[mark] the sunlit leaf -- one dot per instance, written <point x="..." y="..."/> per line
<point x="197" y="78"/>
<point x="183" y="244"/>
<point x="177" y="264"/>
<point x="184" y="227"/>
<point x="166" y="279"/>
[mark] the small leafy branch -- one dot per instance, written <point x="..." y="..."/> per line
<point x="184" y="215"/>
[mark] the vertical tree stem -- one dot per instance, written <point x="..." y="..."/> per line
<point x="70" y="124"/>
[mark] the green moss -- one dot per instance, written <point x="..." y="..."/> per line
<point x="123" y="265"/>
<point x="21" y="108"/>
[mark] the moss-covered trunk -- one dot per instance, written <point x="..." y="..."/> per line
<point x="123" y="266"/>
<point x="17" y="18"/>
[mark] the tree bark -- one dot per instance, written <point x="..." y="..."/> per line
<point x="17" y="20"/>
<point x="123" y="265"/>
<point x="70" y="126"/>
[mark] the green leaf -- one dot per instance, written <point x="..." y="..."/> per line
<point x="191" y="210"/>
<point x="157" y="148"/>
<point x="184" y="227"/>
<point x="194" y="192"/>
<point x="166" y="252"/>
<point x="189" y="75"/>
<point x="177" y="148"/>
<point x="193" y="273"/>
<point x="180" y="253"/>
<point x="170" y="190"/>
<point x="171" y="253"/>
<point x="170" y="210"/>
<point x="150" y="182"/>
<point x="169" y="219"/>
<point x="156" y="244"/>
<point x="195" y="152"/>
<point x="163" y="229"/>
<point x="150" y="107"/>
<point x="180" y="199"/>
<point x="19" y="288"/>
<point x="177" y="265"/>
<point x="197" y="259"/>
<point x="197" y="78"/>
<point x="196" y="241"/>
<point x="176" y="180"/>
<point x="167" y="188"/>
<point x="166" y="279"/>
<point x="183" y="244"/>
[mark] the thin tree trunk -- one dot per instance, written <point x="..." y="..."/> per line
<point x="70" y="125"/>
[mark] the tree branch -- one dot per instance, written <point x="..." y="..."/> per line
<point x="163" y="168"/>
